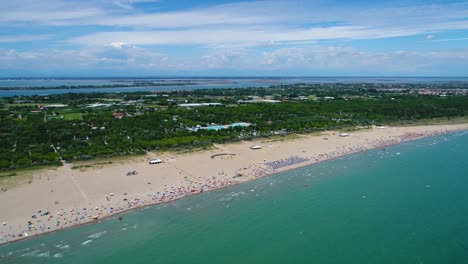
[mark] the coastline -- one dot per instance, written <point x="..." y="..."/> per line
<point x="81" y="191"/>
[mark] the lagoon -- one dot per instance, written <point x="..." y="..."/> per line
<point x="201" y="83"/>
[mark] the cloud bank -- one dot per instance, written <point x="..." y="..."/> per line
<point x="256" y="35"/>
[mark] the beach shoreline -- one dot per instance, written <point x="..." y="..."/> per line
<point x="72" y="198"/>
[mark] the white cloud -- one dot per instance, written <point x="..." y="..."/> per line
<point x="315" y="58"/>
<point x="259" y="23"/>
<point x="346" y="58"/>
<point x="225" y="58"/>
<point x="128" y="4"/>
<point x="47" y="11"/>
<point x="120" y="34"/>
<point x="242" y="23"/>
<point x="118" y="45"/>
<point x="449" y="39"/>
<point x="430" y="37"/>
<point x="243" y="13"/>
<point x="109" y="57"/>
<point x="250" y="36"/>
<point x="105" y="13"/>
<point x="25" y="38"/>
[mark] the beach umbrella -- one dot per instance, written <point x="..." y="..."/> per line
<point x="4" y="223"/>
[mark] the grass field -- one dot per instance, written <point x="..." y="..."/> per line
<point x="72" y="116"/>
<point x="8" y="106"/>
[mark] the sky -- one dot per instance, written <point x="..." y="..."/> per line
<point x="106" y="38"/>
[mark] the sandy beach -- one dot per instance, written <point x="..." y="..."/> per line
<point x="75" y="194"/>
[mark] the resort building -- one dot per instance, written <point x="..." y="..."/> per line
<point x="200" y="104"/>
<point x="119" y="115"/>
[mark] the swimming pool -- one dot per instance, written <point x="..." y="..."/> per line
<point x="215" y="127"/>
<point x="219" y="127"/>
<point x="239" y="125"/>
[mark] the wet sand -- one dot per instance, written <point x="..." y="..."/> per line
<point x="66" y="197"/>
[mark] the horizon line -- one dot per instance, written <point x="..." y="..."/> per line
<point x="221" y="76"/>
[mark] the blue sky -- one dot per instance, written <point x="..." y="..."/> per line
<point x="56" y="38"/>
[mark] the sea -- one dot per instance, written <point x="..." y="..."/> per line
<point x="28" y="86"/>
<point x="403" y="204"/>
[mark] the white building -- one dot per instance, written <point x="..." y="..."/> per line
<point x="155" y="161"/>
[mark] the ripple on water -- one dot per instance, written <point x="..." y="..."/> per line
<point x="32" y="253"/>
<point x="86" y="242"/>
<point x="97" y="235"/>
<point x="44" y="255"/>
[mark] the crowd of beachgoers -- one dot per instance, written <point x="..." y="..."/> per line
<point x="45" y="221"/>
<point x="293" y="160"/>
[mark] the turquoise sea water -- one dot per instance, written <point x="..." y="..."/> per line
<point x="405" y="204"/>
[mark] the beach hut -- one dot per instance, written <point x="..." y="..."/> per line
<point x="255" y="147"/>
<point x="155" y="161"/>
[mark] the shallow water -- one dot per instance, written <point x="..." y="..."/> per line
<point x="202" y="83"/>
<point x="407" y="204"/>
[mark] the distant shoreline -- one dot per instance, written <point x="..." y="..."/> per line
<point x="71" y="87"/>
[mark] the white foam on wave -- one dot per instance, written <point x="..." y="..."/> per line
<point x="237" y="194"/>
<point x="461" y="133"/>
<point x="44" y="255"/>
<point x="58" y="255"/>
<point x="32" y="253"/>
<point x="86" y="242"/>
<point x="65" y="247"/>
<point x="224" y="199"/>
<point x="97" y="235"/>
<point x="18" y="251"/>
